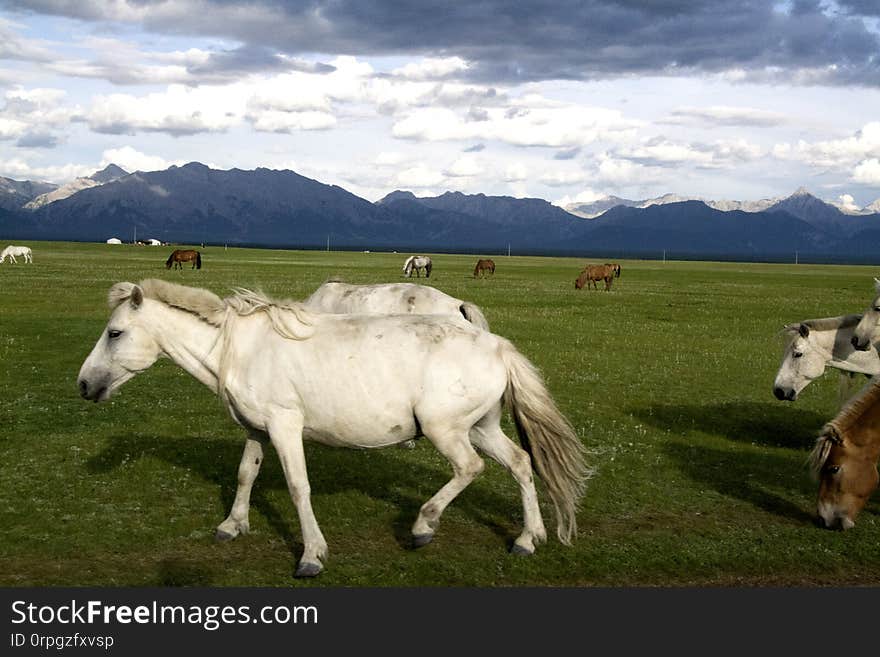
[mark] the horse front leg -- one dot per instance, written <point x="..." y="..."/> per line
<point x="237" y="522"/>
<point x="285" y="432"/>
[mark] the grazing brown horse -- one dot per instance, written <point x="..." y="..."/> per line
<point x="845" y="460"/>
<point x="179" y="256"/>
<point x="484" y="266"/>
<point x="593" y="273"/>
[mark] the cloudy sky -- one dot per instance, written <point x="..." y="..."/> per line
<point x="563" y="100"/>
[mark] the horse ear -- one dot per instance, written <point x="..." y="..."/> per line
<point x="804" y="330"/>
<point x="137" y="296"/>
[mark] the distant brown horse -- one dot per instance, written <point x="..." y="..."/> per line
<point x="484" y="266"/>
<point x="179" y="256"/>
<point x="593" y="273"/>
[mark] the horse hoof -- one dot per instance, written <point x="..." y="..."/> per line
<point x="520" y="551"/>
<point x="307" y="569"/>
<point x="421" y="540"/>
<point x="222" y="536"/>
<point x="408" y="444"/>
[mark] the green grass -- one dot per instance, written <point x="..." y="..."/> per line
<point x="700" y="473"/>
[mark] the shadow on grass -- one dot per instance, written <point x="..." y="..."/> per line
<point x="775" y="425"/>
<point x="749" y="476"/>
<point x="378" y="474"/>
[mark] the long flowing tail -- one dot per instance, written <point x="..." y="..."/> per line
<point x="557" y="454"/>
<point x="198" y="260"/>
<point x="474" y="315"/>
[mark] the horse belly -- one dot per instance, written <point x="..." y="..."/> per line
<point x="363" y="429"/>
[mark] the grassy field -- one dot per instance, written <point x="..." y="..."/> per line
<point x="700" y="473"/>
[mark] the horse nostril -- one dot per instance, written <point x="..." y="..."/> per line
<point x="84" y="388"/>
<point x="779" y="393"/>
<point x="855" y="342"/>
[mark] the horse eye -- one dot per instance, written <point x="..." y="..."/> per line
<point x="798" y="354"/>
<point x="113" y="334"/>
<point x="833" y="469"/>
<point x="877" y="308"/>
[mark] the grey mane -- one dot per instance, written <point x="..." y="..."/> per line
<point x="825" y="323"/>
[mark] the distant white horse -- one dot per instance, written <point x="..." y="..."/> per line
<point x="287" y="374"/>
<point x="417" y="263"/>
<point x="13" y="251"/>
<point x="816" y="344"/>
<point x="335" y="296"/>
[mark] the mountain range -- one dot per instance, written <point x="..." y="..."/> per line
<point x="265" y="207"/>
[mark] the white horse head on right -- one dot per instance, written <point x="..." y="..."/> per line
<point x="815" y="344"/>
<point x="868" y="329"/>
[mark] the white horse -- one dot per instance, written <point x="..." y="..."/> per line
<point x="278" y="366"/>
<point x="13" y="251"/>
<point x="417" y="263"/>
<point x="334" y="296"/>
<point x="816" y="344"/>
<point x="868" y="329"/>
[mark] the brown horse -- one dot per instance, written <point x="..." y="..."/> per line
<point x="484" y="266"/>
<point x="845" y="460"/>
<point x="593" y="273"/>
<point x="179" y="256"/>
<point x="614" y="268"/>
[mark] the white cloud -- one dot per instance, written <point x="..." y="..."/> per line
<point x="847" y="202"/>
<point x="562" y="178"/>
<point x="133" y="160"/>
<point x="558" y="126"/>
<point x="465" y="166"/>
<point x="725" y="116"/>
<point x="18" y="169"/>
<point x="835" y="153"/>
<point x="868" y="172"/>
<point x="431" y="68"/>
<point x="420" y="177"/>
<point x="586" y="196"/>
<point x="516" y="172"/>
<point x="179" y="110"/>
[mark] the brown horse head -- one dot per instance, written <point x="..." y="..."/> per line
<point x="845" y="461"/>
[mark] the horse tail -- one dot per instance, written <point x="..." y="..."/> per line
<point x="476" y="269"/>
<point x="169" y="261"/>
<point x="428" y="268"/>
<point x="198" y="259"/>
<point x="474" y="315"/>
<point x="556" y="452"/>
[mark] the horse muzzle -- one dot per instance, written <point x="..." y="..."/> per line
<point x="92" y="391"/>
<point x="785" y="395"/>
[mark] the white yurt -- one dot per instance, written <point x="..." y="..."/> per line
<point x="114" y="240"/>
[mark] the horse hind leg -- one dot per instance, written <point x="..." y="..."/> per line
<point x="488" y="437"/>
<point x="455" y="445"/>
<point x="237" y="521"/>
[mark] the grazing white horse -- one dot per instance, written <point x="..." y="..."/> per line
<point x="417" y="263"/>
<point x="815" y="344"/>
<point x="13" y="251"/>
<point x="334" y="296"/>
<point x="287" y="374"/>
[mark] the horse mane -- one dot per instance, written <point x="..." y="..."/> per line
<point x="202" y="303"/>
<point x="832" y="432"/>
<point x="289" y="318"/>
<point x="825" y="323"/>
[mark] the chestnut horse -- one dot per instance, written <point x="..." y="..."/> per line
<point x="484" y="266"/>
<point x="593" y="273"/>
<point x="845" y="460"/>
<point x="181" y="255"/>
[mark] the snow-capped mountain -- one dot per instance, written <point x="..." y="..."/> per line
<point x="108" y="174"/>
